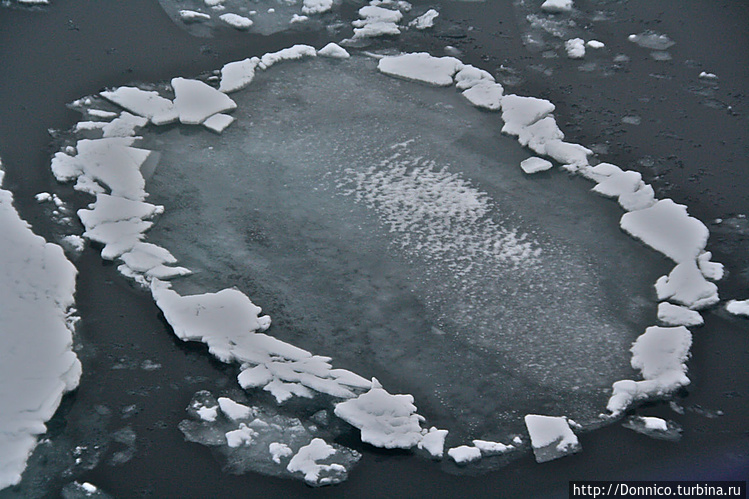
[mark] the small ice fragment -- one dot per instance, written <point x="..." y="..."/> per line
<point x="421" y="67"/>
<point x="469" y="76"/>
<point x="146" y="103"/>
<point x="425" y="20"/>
<point x="236" y="21"/>
<point x="241" y="436"/>
<point x="196" y="101"/>
<point x="675" y="315"/>
<point x="575" y="48"/>
<point x="271" y="11"/>
<point x="738" y="307"/>
<point x="279" y="451"/>
<point x="687" y="286"/>
<point x="208" y="413"/>
<point x="73" y="243"/>
<point x="708" y="76"/>
<point x="557" y="6"/>
<point x="464" y="454"/>
<point x="237" y="75"/>
<point x="434" y="442"/>
<point x="517" y="440"/>
<point x="306" y="461"/>
<point x="654" y="427"/>
<point x="595" y="44"/>
<point x="485" y="94"/>
<point x="572" y="156"/>
<point x="652" y="40"/>
<point x="234" y="410"/>
<point x="535" y="164"/>
<point x="191" y="16"/>
<point x="316" y="6"/>
<point x="287" y="54"/>
<point x="218" y="122"/>
<point x="520" y="112"/>
<point x="334" y="51"/>
<point x="43" y="196"/>
<point x="551" y="437"/>
<point x="711" y="270"/>
<point x="662" y="352"/>
<point x="492" y="448"/>
<point x="296" y="18"/>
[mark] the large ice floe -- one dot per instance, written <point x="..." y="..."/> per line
<point x="37" y="362"/>
<point x="408" y="243"/>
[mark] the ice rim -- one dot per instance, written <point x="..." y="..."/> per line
<point x="107" y="164"/>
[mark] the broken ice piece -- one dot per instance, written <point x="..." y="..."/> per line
<point x="334" y="51"/>
<point x="233" y="410"/>
<point x="421" y="67"/>
<point x="654" y="427"/>
<point x="675" y="315"/>
<point x="556" y="6"/>
<point x="322" y="463"/>
<point x="464" y="454"/>
<point x="218" y="122"/>
<point x="738" y="307"/>
<point x="433" y="442"/>
<point x="534" y="165"/>
<point x="551" y="437"/>
<point x="236" y="21"/>
<point x="196" y="101"/>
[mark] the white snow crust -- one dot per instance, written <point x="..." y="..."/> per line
<point x="489" y="448"/>
<point x="675" y="315"/>
<point x="316" y="6"/>
<point x="234" y="410"/>
<point x="421" y="67"/>
<point x="687" y="286"/>
<point x="547" y="431"/>
<point x="192" y="16"/>
<point x="37" y="362"/>
<point x="433" y="441"/>
<point x="237" y="75"/>
<point x="306" y="461"/>
<point x="521" y="112"/>
<point x="486" y="94"/>
<point x="377" y="21"/>
<point x="288" y="54"/>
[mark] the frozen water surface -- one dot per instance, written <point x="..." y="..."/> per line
<point x="386" y="223"/>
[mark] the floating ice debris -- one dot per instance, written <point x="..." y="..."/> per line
<point x="469" y="76"/>
<point x="73" y="243"/>
<point x="237" y="75"/>
<point x="279" y="451"/>
<point x="654" y="427"/>
<point x="124" y="126"/>
<point x="595" y="44"/>
<point x="385" y="420"/>
<point x="85" y="490"/>
<point x="296" y="18"/>
<point x="575" y="48"/>
<point x="521" y="112"/>
<point x="433" y="441"/>
<point x="236" y="21"/>
<point x="146" y="103"/>
<point x="551" y="437"/>
<point x="37" y="362"/>
<point x="535" y="164"/>
<point x="317" y="462"/>
<point x="234" y="410"/>
<point x="316" y="6"/>
<point x="708" y="76"/>
<point x="425" y="20"/>
<point x="557" y="6"/>
<point x="488" y="448"/>
<point x="334" y="51"/>
<point x="572" y="156"/>
<point x="711" y="270"/>
<point x="627" y="186"/>
<point x="421" y="67"/>
<point x="464" y="454"/>
<point x="540" y="133"/>
<point x="241" y="436"/>
<point x="192" y="16"/>
<point x="652" y="40"/>
<point x="687" y="286"/>
<point x="485" y="94"/>
<point x="203" y="406"/>
<point x="667" y="228"/>
<point x="100" y="113"/>
<point x="376" y="21"/>
<point x="288" y="54"/>
<point x="196" y="101"/>
<point x="218" y="122"/>
<point x="660" y="354"/>
<point x="738" y="307"/>
<point x="674" y="315"/>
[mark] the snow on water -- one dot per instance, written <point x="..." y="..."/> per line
<point x="37" y="362"/>
<point x="414" y="229"/>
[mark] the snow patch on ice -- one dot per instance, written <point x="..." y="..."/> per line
<point x="196" y="101"/>
<point x="575" y="48"/>
<point x="551" y="437"/>
<point x="557" y="6"/>
<point x="146" y="103"/>
<point x="237" y="75"/>
<point x="425" y="20"/>
<point x="534" y="165"/>
<point x="421" y="67"/>
<point x="675" y="315"/>
<point x="464" y="454"/>
<point x="433" y="441"/>
<point x="333" y="50"/>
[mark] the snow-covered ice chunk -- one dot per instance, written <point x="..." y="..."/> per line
<point x="667" y="228"/>
<point x="288" y="54"/>
<point x="557" y="6"/>
<point x="572" y="156"/>
<point x="738" y="307"/>
<point x="316" y="6"/>
<point x="433" y="442"/>
<point x="426" y="20"/>
<point x="551" y="437"/>
<point x="236" y="21"/>
<point x="376" y="21"/>
<point x="203" y="406"/>
<point x="237" y="75"/>
<point x="192" y="16"/>
<point x="232" y="409"/>
<point x="675" y="315"/>
<point x="537" y="135"/>
<point x="296" y="18"/>
<point x="535" y="164"/>
<point x="218" y="122"/>
<point x="687" y="286"/>
<point x="654" y="427"/>
<point x="486" y="94"/>
<point x="107" y="209"/>
<point x="708" y="76"/>
<point x="627" y="186"/>
<point x="519" y="112"/>
<point x="464" y="454"/>
<point x="711" y="270"/>
<point x="489" y="448"/>
<point x="652" y="40"/>
<point x="595" y="44"/>
<point x="575" y="48"/>
<point x="468" y="76"/>
<point x="146" y="103"/>
<point x="385" y="420"/>
<point x="124" y="126"/>
<point x="662" y="352"/>
<point x="37" y="362"/>
<point x="334" y="51"/>
<point x="196" y="101"/>
<point x="279" y="451"/>
<point x="316" y="462"/>
<point x="421" y="67"/>
<point x="241" y="436"/>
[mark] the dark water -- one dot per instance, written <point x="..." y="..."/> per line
<point x="687" y="145"/>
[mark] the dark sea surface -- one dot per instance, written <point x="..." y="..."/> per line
<point x="692" y="144"/>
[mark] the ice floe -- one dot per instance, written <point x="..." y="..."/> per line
<point x="218" y="122"/>
<point x="738" y="307"/>
<point x="316" y="6"/>
<point x="464" y="454"/>
<point x="426" y="20"/>
<point x="377" y="21"/>
<point x="433" y="441"/>
<point x="192" y="16"/>
<point x="654" y="427"/>
<point x="551" y="437"/>
<point x="196" y="101"/>
<point x="489" y="448"/>
<point x="486" y="94"/>
<point x="575" y="48"/>
<point x="421" y="67"/>
<point x="37" y="362"/>
<point x="595" y="44"/>
<point x="675" y="315"/>
<point x="237" y="75"/>
<point x="385" y="420"/>
<point x="687" y="286"/>
<point x="288" y="54"/>
<point x="520" y="112"/>
<point x="147" y="103"/>
<point x="315" y="462"/>
<point x="535" y="164"/>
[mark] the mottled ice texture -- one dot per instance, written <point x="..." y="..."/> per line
<point x="675" y="315"/>
<point x="464" y="454"/>
<point x="666" y="227"/>
<point x="556" y="6"/>
<point x="236" y="21"/>
<point x="575" y="48"/>
<point x="738" y="307"/>
<point x="425" y="20"/>
<point x="196" y="101"/>
<point x="686" y="285"/>
<point x="421" y="67"/>
<point x="652" y="40"/>
<point x="551" y="437"/>
<point x="316" y="6"/>
<point x="37" y="362"/>
<point x="660" y="354"/>
<point x="486" y="94"/>
<point x="385" y="420"/>
<point x="334" y="51"/>
<point x="288" y="54"/>
<point x="237" y="75"/>
<point x="433" y="441"/>
<point x="146" y="103"/>
<point x="535" y="164"/>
